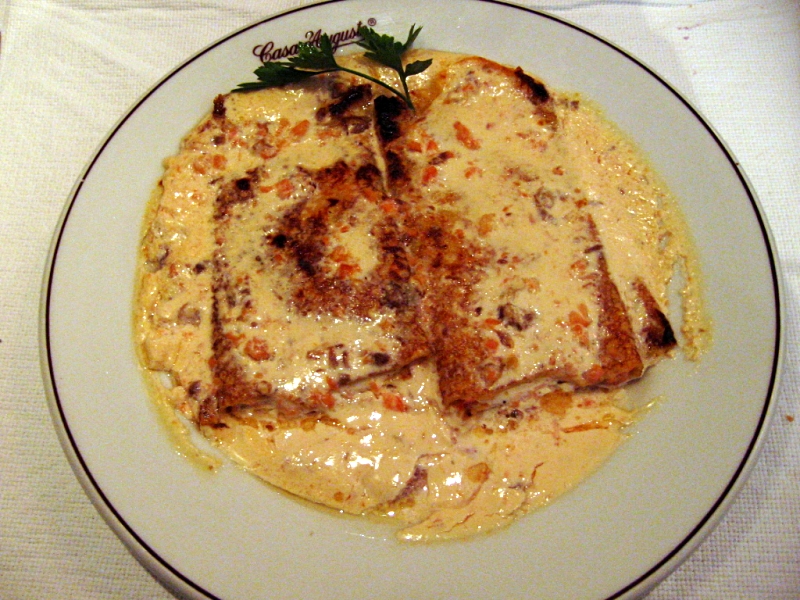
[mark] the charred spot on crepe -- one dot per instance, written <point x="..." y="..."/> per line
<point x="349" y="97"/>
<point x="658" y="333"/>
<point x="538" y="91"/>
<point x="219" y="107"/>
<point x="388" y="110"/>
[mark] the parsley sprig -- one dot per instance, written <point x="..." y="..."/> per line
<point x="312" y="60"/>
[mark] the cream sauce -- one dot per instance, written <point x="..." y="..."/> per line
<point x="387" y="448"/>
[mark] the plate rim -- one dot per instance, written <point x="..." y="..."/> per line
<point x="178" y="584"/>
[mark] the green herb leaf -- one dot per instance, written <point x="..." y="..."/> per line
<point x="417" y="67"/>
<point x="389" y="52"/>
<point x="382" y="48"/>
<point x="312" y="60"/>
<point x="275" y="74"/>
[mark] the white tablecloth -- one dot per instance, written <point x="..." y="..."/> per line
<point x="70" y="68"/>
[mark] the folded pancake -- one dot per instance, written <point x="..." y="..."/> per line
<point x="517" y="288"/>
<point x="311" y="283"/>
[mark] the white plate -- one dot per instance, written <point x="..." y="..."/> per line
<point x="229" y="536"/>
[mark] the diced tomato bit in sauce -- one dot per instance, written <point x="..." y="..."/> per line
<point x="330" y="133"/>
<point x="347" y="270"/>
<point x="233" y="338"/>
<point x="394" y="402"/>
<point x="584" y="310"/>
<point x="284" y="188"/>
<point x="339" y="254"/>
<point x="301" y="128"/>
<point x="429" y="174"/>
<point x="414" y="146"/>
<point x="257" y="349"/>
<point x="325" y="399"/>
<point x="464" y="135"/>
<point x="486" y="224"/>
<point x="593" y="375"/>
<point x="581" y="318"/>
<point x="580" y="266"/>
<point x="372" y="195"/>
<point x="578" y="321"/>
<point x="471" y="171"/>
<point x="491" y="375"/>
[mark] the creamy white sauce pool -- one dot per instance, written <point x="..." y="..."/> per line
<point x="387" y="448"/>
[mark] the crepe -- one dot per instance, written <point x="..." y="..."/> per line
<point x="311" y="288"/>
<point x="517" y="284"/>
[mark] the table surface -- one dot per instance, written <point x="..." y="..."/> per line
<point x="70" y="68"/>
